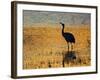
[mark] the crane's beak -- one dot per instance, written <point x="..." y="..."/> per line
<point x="61" y="23"/>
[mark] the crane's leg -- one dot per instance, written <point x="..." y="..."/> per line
<point x="71" y="46"/>
<point x="68" y="46"/>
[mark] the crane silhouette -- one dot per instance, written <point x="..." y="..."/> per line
<point x="69" y="37"/>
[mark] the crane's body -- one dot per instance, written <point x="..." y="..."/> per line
<point x="69" y="37"/>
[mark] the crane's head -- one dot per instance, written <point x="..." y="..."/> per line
<point x="62" y="24"/>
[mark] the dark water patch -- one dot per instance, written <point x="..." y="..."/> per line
<point x="69" y="56"/>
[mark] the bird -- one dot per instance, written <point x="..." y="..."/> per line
<point x="69" y="37"/>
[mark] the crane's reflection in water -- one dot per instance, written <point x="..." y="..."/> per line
<point x="69" y="56"/>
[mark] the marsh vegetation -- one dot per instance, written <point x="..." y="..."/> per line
<point x="44" y="47"/>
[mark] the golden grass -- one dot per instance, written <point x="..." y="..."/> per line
<point x="45" y="47"/>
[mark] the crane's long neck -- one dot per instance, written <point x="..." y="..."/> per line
<point x="63" y="29"/>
